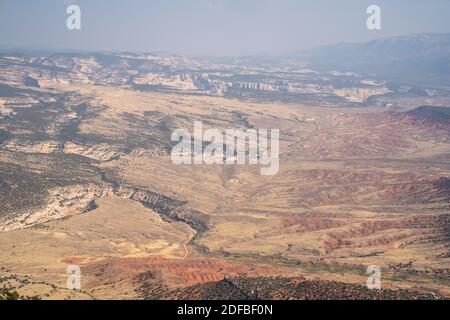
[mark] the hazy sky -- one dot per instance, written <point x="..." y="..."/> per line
<point x="212" y="27"/>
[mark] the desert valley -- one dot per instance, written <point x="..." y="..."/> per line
<point x="86" y="179"/>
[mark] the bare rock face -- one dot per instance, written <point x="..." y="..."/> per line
<point x="61" y="203"/>
<point x="100" y="152"/>
<point x="64" y="202"/>
<point x="49" y="146"/>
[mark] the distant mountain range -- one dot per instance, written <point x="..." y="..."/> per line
<point x="422" y="59"/>
<point x="411" y="64"/>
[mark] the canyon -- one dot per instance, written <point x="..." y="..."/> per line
<point x="87" y="179"/>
